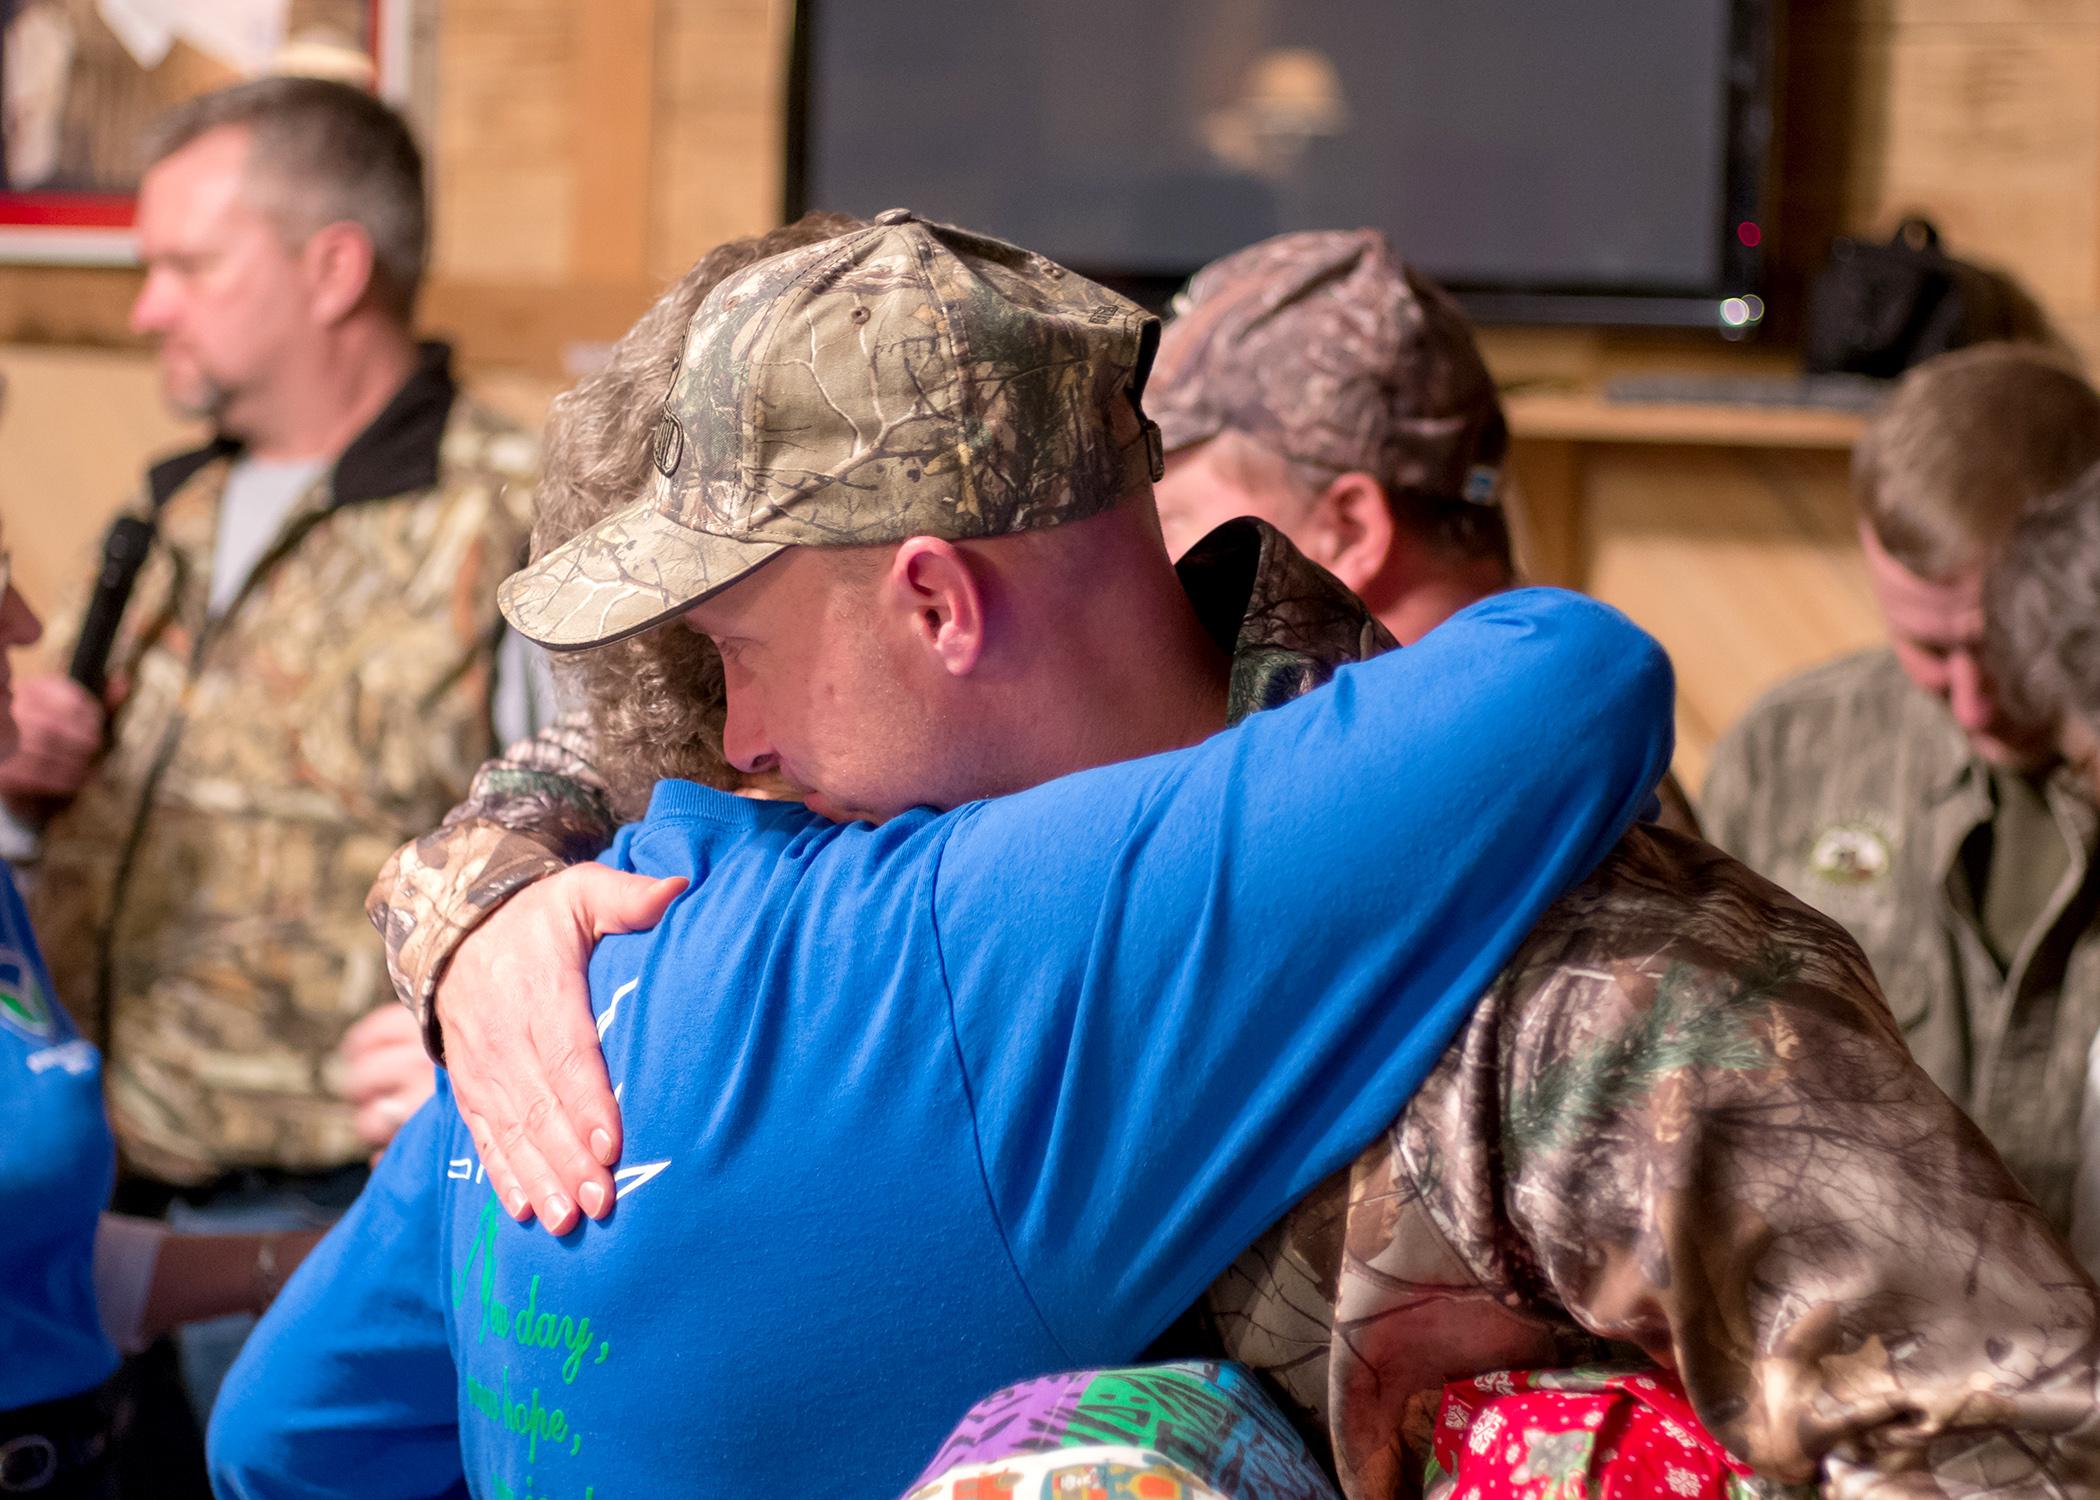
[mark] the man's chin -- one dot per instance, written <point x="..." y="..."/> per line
<point x="840" y="812"/>
<point x="192" y="398"/>
<point x="2020" y="758"/>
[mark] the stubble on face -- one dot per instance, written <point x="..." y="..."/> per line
<point x="193" y="395"/>
<point x="220" y="300"/>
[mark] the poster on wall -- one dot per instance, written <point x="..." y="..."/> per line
<point x="80" y="80"/>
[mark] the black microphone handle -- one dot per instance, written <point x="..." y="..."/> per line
<point x="123" y="550"/>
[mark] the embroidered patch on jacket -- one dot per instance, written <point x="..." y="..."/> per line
<point x="1852" y="853"/>
<point x="23" y="1007"/>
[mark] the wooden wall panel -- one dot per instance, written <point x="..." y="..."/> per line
<point x="1998" y="129"/>
<point x="1982" y="114"/>
<point x="500" y="164"/>
<point x="721" y="118"/>
<point x="613" y="110"/>
<point x="1743" y="564"/>
<point x="76" y="430"/>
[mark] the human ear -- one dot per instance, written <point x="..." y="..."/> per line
<point x="1351" y="530"/>
<point x="936" y="594"/>
<point x="338" y="263"/>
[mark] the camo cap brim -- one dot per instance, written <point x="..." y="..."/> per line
<point x="908" y="379"/>
<point x="625" y="575"/>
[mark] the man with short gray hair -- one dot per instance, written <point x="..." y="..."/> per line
<point x="310" y="652"/>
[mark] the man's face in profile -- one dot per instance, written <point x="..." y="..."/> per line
<point x="1935" y="627"/>
<point x="225" y="294"/>
<point x="819" y="696"/>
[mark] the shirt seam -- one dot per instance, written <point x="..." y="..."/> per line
<point x="962" y="1071"/>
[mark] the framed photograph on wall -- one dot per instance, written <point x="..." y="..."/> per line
<point x="81" y="79"/>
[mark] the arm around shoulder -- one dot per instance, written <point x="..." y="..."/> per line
<point x="539" y="807"/>
<point x="1268" y="939"/>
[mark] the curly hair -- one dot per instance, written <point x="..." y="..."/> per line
<point x="655" y="700"/>
<point x="2042" y="611"/>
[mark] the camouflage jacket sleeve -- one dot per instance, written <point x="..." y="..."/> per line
<point x="1683" y="1120"/>
<point x="539" y="807"/>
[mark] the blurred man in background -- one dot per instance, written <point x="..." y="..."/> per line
<point x="1317" y="381"/>
<point x="1899" y="791"/>
<point x="307" y="669"/>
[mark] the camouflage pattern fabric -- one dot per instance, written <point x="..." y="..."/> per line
<point x="1329" y="349"/>
<point x="538" y="808"/>
<point x="908" y="379"/>
<point x="1681" y="1120"/>
<point x="1858" y="793"/>
<point x="1157" y="1432"/>
<point x="199" y="900"/>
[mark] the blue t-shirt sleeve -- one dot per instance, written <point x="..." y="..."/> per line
<point x="1186" y="989"/>
<point x="348" y="1385"/>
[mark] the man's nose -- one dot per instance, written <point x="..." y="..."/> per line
<point x="149" y="312"/>
<point x="19" y="625"/>
<point x="744" y="740"/>
<point x="1969" y="694"/>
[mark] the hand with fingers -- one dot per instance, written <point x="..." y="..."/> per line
<point x="61" y="725"/>
<point x="386" y="1075"/>
<point x="521" y="1045"/>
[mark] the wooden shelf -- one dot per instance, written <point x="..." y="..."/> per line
<point x="1586" y="417"/>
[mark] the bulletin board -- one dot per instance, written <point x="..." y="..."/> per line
<point x="80" y="81"/>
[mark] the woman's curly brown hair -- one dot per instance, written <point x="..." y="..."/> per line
<point x="654" y="701"/>
<point x="2041" y="611"/>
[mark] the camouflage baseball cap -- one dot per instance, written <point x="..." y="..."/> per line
<point x="1331" y="350"/>
<point x="907" y="379"/>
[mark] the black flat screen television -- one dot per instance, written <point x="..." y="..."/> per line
<point x="1549" y="162"/>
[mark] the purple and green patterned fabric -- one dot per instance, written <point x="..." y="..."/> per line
<point x="1152" y="1432"/>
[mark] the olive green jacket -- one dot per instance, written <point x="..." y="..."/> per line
<point x="1856" y="792"/>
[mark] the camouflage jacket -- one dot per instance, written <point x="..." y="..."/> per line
<point x="1857" y="792"/>
<point x="1681" y="1120"/>
<point x="199" y="900"/>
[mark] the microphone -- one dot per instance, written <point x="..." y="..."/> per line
<point x="123" y="550"/>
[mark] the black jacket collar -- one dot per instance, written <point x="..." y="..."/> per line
<point x="396" y="454"/>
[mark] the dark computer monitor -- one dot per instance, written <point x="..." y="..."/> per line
<point x="1595" y="163"/>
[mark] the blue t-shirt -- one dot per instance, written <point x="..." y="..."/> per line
<point x="920" y="1110"/>
<point x="57" y="1163"/>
